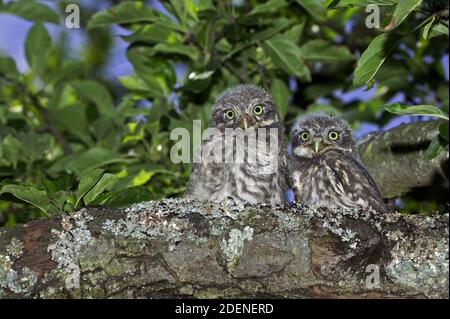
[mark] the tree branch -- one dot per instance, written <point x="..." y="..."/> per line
<point x="398" y="161"/>
<point x="181" y="248"/>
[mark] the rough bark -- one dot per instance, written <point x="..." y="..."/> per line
<point x="398" y="161"/>
<point x="181" y="248"/>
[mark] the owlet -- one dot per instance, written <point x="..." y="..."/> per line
<point x="243" y="157"/>
<point x="325" y="170"/>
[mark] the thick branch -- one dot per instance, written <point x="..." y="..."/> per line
<point x="398" y="161"/>
<point x="180" y="248"/>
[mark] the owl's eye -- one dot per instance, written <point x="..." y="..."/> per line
<point x="258" y="109"/>
<point x="333" y="135"/>
<point x="229" y="114"/>
<point x="304" y="136"/>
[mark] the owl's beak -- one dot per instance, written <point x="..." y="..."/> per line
<point x="317" y="144"/>
<point x="246" y="122"/>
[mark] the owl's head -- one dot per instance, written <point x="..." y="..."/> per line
<point x="318" y="133"/>
<point x="246" y="107"/>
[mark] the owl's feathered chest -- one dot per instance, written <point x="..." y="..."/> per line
<point x="250" y="172"/>
<point x="321" y="182"/>
<point x="335" y="180"/>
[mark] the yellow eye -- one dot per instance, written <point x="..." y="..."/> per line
<point x="229" y="114"/>
<point x="304" y="136"/>
<point x="333" y="135"/>
<point x="258" y="109"/>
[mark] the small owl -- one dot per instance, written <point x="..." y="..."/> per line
<point x="249" y="170"/>
<point x="325" y="170"/>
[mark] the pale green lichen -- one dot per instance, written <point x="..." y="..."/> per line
<point x="73" y="237"/>
<point x="17" y="281"/>
<point x="422" y="265"/>
<point x="233" y="247"/>
<point x="15" y="248"/>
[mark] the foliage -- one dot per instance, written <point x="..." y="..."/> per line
<point x="71" y="137"/>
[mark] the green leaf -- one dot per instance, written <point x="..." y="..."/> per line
<point x="443" y="131"/>
<point x="62" y="182"/>
<point x="105" y="182"/>
<point x="11" y="149"/>
<point x="152" y="33"/>
<point x="131" y="12"/>
<point x="325" y="51"/>
<point x="344" y="3"/>
<point x="373" y="58"/>
<point x="57" y="195"/>
<point x="87" y="182"/>
<point x="315" y="8"/>
<point x="427" y="110"/>
<point x="434" y="148"/>
<point x="279" y="25"/>
<point x="438" y="29"/>
<point x="157" y="73"/>
<point x="402" y="10"/>
<point x="37" y="46"/>
<point x="268" y="6"/>
<point x="32" y="195"/>
<point x="8" y="67"/>
<point x="185" y="11"/>
<point x="143" y="177"/>
<point x="69" y="70"/>
<point x="280" y="93"/>
<point x="426" y="29"/>
<point x="134" y="83"/>
<point x="73" y="119"/>
<point x="182" y="49"/>
<point x="92" y="158"/>
<point x="295" y="32"/>
<point x="128" y="196"/>
<point x="287" y="56"/>
<point x="96" y="93"/>
<point x="31" y="10"/>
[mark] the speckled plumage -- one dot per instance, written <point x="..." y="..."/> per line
<point x="247" y="181"/>
<point x="327" y="172"/>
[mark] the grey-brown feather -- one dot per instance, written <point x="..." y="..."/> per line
<point x="334" y="177"/>
<point x="263" y="181"/>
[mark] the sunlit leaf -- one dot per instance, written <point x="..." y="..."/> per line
<point x="106" y="181"/>
<point x="31" y="195"/>
<point x="87" y="182"/>
<point x="373" y="58"/>
<point x="131" y="12"/>
<point x="427" y="110"/>
<point x="402" y="10"/>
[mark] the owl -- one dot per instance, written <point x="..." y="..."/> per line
<point x="251" y="169"/>
<point x="324" y="168"/>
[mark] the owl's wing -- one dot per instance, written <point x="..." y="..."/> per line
<point x="354" y="181"/>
